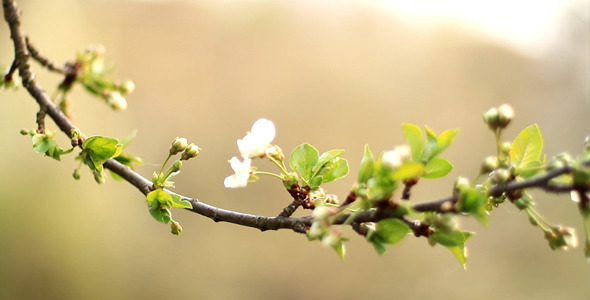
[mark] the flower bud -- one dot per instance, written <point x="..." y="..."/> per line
<point x="489" y="164"/>
<point x="587" y="143"/>
<point x="99" y="177"/>
<point x="523" y="202"/>
<point x="178" y="145"/>
<point x="505" y="148"/>
<point x="76" y="174"/>
<point x="116" y="101"/>
<point x="275" y="152"/>
<point x="24" y="132"/>
<point x="505" y="115"/>
<point x="126" y="87"/>
<point x="391" y="160"/>
<point x="500" y="176"/>
<point x="491" y="117"/>
<point x="191" y="151"/>
<point x="461" y="184"/>
<point x="176" y="165"/>
<point x="175" y="227"/>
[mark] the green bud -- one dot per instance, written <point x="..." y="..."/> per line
<point x="76" y="174"/>
<point x="99" y="177"/>
<point x="177" y="165"/>
<point x="191" y="151"/>
<point x="505" y="115"/>
<point x="523" y="202"/>
<point x="178" y="145"/>
<point x="461" y="184"/>
<point x="24" y="132"/>
<point x="275" y="152"/>
<point x="491" y="117"/>
<point x="505" y="148"/>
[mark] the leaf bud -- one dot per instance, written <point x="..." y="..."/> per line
<point x="505" y="115"/>
<point x="178" y="145"/>
<point x="24" y="132"/>
<point x="191" y="151"/>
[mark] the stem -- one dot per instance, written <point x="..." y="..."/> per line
<point x="267" y="173"/>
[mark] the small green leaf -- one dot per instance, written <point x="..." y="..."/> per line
<point x="315" y="182"/>
<point x="40" y="143"/>
<point x="526" y="147"/>
<point x="303" y="159"/>
<point x="179" y="203"/>
<point x="161" y="215"/>
<point x="444" y="141"/>
<point x="451" y="238"/>
<point x="437" y="167"/>
<point x="408" y="170"/>
<point x="367" y="167"/>
<point x="414" y="136"/>
<point x="431" y="142"/>
<point x="333" y="170"/>
<point x="325" y="158"/>
<point x="102" y="148"/>
<point x="152" y="198"/>
<point x="460" y="253"/>
<point x="340" y="249"/>
<point x="392" y="231"/>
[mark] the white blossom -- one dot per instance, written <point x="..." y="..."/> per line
<point x="255" y="143"/>
<point x="241" y="173"/>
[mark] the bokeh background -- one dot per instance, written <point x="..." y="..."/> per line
<point x="336" y="74"/>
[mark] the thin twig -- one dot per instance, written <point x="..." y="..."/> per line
<point x="36" y="54"/>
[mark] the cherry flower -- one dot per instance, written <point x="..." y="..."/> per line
<point x="255" y="143"/>
<point x="242" y="173"/>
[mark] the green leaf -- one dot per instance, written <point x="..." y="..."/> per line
<point x="414" y="136"/>
<point x="367" y="167"/>
<point x="179" y="203"/>
<point x="333" y="170"/>
<point x="325" y="158"/>
<point x="451" y="238"/>
<point x="152" y="198"/>
<point x="392" y="231"/>
<point x="408" y="170"/>
<point x="340" y="249"/>
<point x="40" y="143"/>
<point x="460" y="253"/>
<point x="303" y="159"/>
<point x="444" y="140"/>
<point x="437" y="167"/>
<point x="454" y="241"/>
<point x="473" y="201"/>
<point x="526" y="147"/>
<point x="431" y="142"/>
<point x="161" y="215"/>
<point x="315" y="182"/>
<point x="102" y="148"/>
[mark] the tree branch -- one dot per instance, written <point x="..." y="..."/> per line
<point x="24" y="50"/>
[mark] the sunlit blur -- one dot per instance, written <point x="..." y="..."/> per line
<point x="336" y="74"/>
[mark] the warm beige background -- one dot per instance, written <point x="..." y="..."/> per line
<point x="336" y="76"/>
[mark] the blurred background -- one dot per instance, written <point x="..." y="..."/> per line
<point x="336" y="74"/>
